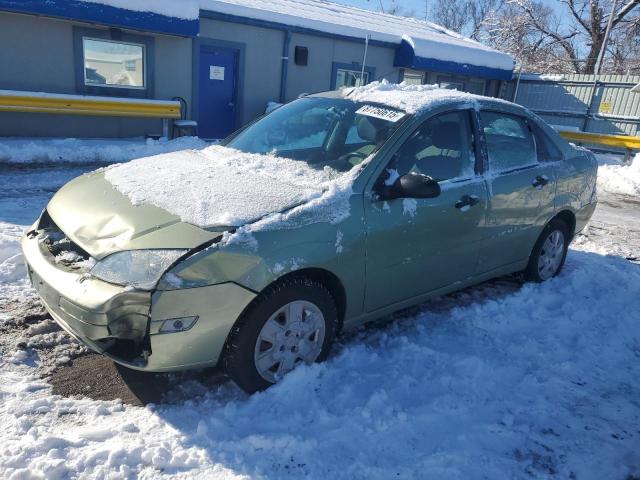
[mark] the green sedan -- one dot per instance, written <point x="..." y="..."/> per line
<point x="335" y="209"/>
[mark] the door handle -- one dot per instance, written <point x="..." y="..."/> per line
<point x="540" y="181"/>
<point x="467" y="201"/>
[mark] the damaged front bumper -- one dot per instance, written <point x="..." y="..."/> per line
<point x="124" y="324"/>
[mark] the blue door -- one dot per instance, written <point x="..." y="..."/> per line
<point x="216" y="91"/>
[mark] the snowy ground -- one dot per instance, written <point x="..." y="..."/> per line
<point x="502" y="380"/>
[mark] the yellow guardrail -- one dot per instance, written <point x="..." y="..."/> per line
<point x="620" y="141"/>
<point x="15" y="101"/>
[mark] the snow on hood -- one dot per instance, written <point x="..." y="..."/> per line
<point x="409" y="98"/>
<point x="220" y="186"/>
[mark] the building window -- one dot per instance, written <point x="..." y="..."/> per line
<point x="452" y="85"/>
<point x="113" y="64"/>
<point x="350" y="78"/>
<point x="412" y="77"/>
<point x="464" y="84"/>
<point x="476" y="86"/>
<point x="348" y="75"/>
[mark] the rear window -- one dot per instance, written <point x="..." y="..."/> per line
<point x="548" y="151"/>
<point x="510" y="143"/>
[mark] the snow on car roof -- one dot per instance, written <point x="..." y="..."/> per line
<point x="410" y="98"/>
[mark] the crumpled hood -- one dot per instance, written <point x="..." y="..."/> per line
<point x="94" y="215"/>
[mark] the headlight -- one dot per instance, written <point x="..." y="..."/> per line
<point x="136" y="268"/>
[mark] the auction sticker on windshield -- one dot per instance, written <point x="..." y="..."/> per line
<point x="380" y="112"/>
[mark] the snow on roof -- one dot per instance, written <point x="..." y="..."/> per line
<point x="184" y="9"/>
<point x="429" y="40"/>
<point x="549" y="77"/>
<point x="636" y="89"/>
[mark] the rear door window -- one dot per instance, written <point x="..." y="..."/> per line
<point x="510" y="143"/>
<point x="548" y="151"/>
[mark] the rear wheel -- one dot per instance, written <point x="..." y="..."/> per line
<point x="549" y="253"/>
<point x="290" y="323"/>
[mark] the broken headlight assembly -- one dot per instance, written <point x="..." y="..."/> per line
<point x="136" y="268"/>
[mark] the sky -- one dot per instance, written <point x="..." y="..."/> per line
<point x="417" y="7"/>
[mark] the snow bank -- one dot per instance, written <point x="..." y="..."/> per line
<point x="74" y="150"/>
<point x="220" y="186"/>
<point x="616" y="178"/>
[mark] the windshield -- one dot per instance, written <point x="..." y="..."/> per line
<point x="323" y="132"/>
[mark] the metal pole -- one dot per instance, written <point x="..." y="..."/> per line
<point x="603" y="48"/>
<point x="515" y="93"/>
<point x="364" y="58"/>
<point x="165" y="128"/>
<point x="598" y="65"/>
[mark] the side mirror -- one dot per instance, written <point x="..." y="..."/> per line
<point x="412" y="185"/>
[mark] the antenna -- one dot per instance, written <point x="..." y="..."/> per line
<point x="364" y="58"/>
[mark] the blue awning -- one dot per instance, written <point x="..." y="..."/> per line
<point x="492" y="64"/>
<point x="105" y="15"/>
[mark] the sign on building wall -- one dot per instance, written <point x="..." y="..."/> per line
<point x="216" y="72"/>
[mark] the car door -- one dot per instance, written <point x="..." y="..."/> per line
<point x="521" y="190"/>
<point x="417" y="245"/>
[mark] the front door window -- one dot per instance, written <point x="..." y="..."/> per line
<point x="441" y="148"/>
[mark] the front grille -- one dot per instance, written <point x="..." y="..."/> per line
<point x="60" y="250"/>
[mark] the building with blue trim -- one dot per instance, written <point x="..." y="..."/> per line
<point x="226" y="58"/>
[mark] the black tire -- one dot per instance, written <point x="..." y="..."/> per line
<point x="531" y="273"/>
<point x="239" y="350"/>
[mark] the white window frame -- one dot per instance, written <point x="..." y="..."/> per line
<point x="106" y="85"/>
<point x="356" y="74"/>
<point x="414" y="74"/>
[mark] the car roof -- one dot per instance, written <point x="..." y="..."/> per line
<point x="418" y="99"/>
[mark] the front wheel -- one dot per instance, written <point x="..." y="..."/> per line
<point x="549" y="253"/>
<point x="290" y="323"/>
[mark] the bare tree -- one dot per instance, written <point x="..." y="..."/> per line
<point x="624" y="49"/>
<point x="510" y="30"/>
<point x="465" y="16"/>
<point x="585" y="32"/>
<point x="392" y="7"/>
